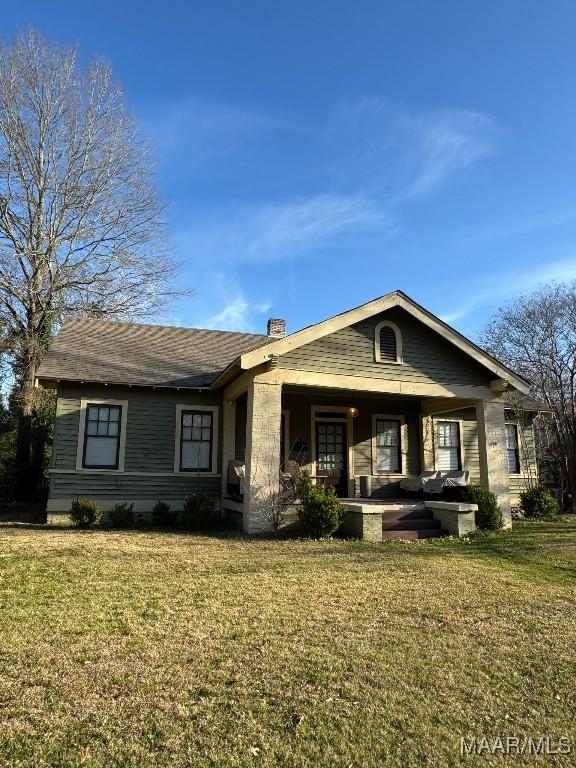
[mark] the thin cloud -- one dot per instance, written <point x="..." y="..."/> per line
<point x="192" y="128"/>
<point x="507" y="284"/>
<point x="407" y="154"/>
<point x="237" y="315"/>
<point x="447" y="143"/>
<point x="288" y="230"/>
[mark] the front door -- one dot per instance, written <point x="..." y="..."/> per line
<point x="332" y="452"/>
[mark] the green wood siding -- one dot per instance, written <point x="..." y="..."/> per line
<point x="123" y="486"/>
<point x="150" y="438"/>
<point x="428" y="358"/>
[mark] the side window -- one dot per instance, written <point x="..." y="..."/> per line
<point x="196" y="441"/>
<point x="387" y="343"/>
<point x="512" y="451"/>
<point x="102" y="436"/>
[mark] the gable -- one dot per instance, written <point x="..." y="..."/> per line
<point x="426" y="356"/>
<point x="366" y="312"/>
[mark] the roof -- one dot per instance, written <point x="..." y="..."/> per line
<point x="525" y="403"/>
<point x="271" y="348"/>
<point x="112" y="352"/>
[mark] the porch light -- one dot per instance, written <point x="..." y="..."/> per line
<point x="353" y="412"/>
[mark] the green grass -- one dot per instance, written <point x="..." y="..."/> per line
<point x="165" y="649"/>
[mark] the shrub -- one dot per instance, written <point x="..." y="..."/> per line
<point x="163" y="516"/>
<point x="321" y="511"/>
<point x="84" y="513"/>
<point x="199" y="511"/>
<point x="121" y="515"/>
<point x="538" y="502"/>
<point x="489" y="515"/>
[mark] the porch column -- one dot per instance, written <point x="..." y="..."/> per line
<point x="492" y="453"/>
<point x="262" y="482"/>
<point x="228" y="441"/>
<point x="426" y="443"/>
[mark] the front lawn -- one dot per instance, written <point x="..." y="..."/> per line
<point x="153" y="649"/>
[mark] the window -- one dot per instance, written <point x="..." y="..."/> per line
<point x="102" y="436"/>
<point x="387" y="343"/>
<point x="196" y="441"/>
<point x="388" y="445"/>
<point x="512" y="449"/>
<point x="448" y="445"/>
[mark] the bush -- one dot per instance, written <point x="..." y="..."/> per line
<point x="538" y="502"/>
<point x="84" y="513"/>
<point x="321" y="512"/>
<point x="163" y="516"/>
<point x="121" y="515"/>
<point x="489" y="515"/>
<point x="199" y="512"/>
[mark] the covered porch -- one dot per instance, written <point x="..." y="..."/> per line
<point x="370" y="437"/>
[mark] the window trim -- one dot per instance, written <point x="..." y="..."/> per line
<point x="517" y="450"/>
<point x="403" y="447"/>
<point x="213" y="471"/>
<point x="460" y="445"/>
<point x="399" y="358"/>
<point x="121" y="449"/>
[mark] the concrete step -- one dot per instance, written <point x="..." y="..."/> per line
<point x="414" y="524"/>
<point x="407" y="514"/>
<point x="420" y="533"/>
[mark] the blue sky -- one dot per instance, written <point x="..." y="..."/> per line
<point x="314" y="155"/>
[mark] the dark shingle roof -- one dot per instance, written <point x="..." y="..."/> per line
<point x="145" y="355"/>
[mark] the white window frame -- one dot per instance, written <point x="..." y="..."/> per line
<point x="460" y="442"/>
<point x="519" y="473"/>
<point x="403" y="444"/>
<point x="178" y="434"/>
<point x="397" y="333"/>
<point x="84" y="402"/>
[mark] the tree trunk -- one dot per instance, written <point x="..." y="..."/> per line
<point x="24" y="482"/>
<point x="570" y="502"/>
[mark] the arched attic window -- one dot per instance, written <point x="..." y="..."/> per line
<point x="387" y="343"/>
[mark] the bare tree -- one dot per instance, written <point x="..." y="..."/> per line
<point x="80" y="223"/>
<point x="536" y="335"/>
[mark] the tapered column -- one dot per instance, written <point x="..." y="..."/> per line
<point x="492" y="453"/>
<point x="262" y="483"/>
<point x="426" y="443"/>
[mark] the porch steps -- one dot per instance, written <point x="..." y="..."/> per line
<point x="410" y="521"/>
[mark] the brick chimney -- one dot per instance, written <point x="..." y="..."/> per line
<point x="276" y="328"/>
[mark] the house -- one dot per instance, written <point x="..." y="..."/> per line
<point x="385" y="390"/>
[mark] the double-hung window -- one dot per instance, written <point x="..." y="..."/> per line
<point x="512" y="450"/>
<point x="388" y="445"/>
<point x="448" y="445"/>
<point x="102" y="436"/>
<point x="196" y="441"/>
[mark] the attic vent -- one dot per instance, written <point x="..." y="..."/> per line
<point x="387" y="343"/>
<point x="276" y="328"/>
